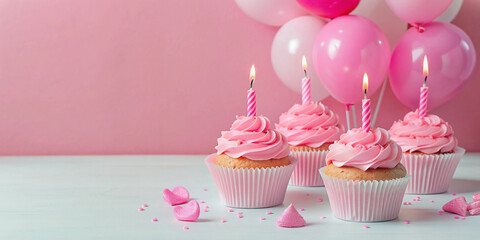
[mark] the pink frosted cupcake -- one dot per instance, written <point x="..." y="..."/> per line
<point x="430" y="152"/>
<point x="310" y="129"/>
<point x="252" y="165"/>
<point x="364" y="178"/>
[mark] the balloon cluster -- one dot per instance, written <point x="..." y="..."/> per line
<point x="347" y="46"/>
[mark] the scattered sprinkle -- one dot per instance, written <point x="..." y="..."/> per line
<point x="223" y="220"/>
<point x="202" y="201"/>
<point x="141" y="209"/>
<point x="432" y="201"/>
<point x="240" y="216"/>
<point x="269" y="212"/>
<point x="206" y="206"/>
<point x="301" y="209"/>
<point x="320" y="200"/>
<point x="323" y="217"/>
<point x="308" y="194"/>
<point x="407" y="222"/>
<point x="404" y="203"/>
<point x="463" y="218"/>
<point x="230" y="210"/>
<point x="185" y="228"/>
<point x="205" y="210"/>
<point x="239" y="212"/>
<point x="145" y="205"/>
<point x="456" y="217"/>
<point x="262" y="218"/>
<point x="414" y="199"/>
<point x="154" y="220"/>
<point x="366" y="227"/>
<point x="418" y="197"/>
<point x="409" y="203"/>
<point x="205" y="189"/>
<point x="454" y="194"/>
<point x="440" y="212"/>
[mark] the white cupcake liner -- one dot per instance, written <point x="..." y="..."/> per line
<point x="431" y="173"/>
<point x="306" y="172"/>
<point x="250" y="188"/>
<point x="365" y="201"/>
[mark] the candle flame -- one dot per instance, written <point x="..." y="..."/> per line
<point x="365" y="83"/>
<point x="304" y="63"/>
<point x="252" y="73"/>
<point x="425" y="66"/>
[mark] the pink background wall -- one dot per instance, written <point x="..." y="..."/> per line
<point x="149" y="76"/>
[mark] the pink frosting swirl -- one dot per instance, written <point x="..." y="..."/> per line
<point x="251" y="137"/>
<point x="365" y="150"/>
<point x="311" y="124"/>
<point x="429" y="134"/>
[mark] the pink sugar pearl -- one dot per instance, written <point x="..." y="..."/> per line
<point x="145" y="205"/>
<point x="456" y="217"/>
<point x="154" y="220"/>
<point x="262" y="218"/>
<point x="230" y="210"/>
<point x="366" y="227"/>
<point x="141" y="209"/>
<point x="240" y="216"/>
<point x="406" y="222"/>
<point x="301" y="209"/>
<point x="185" y="228"/>
<point x="223" y="220"/>
<point x="202" y="201"/>
<point x="269" y="212"/>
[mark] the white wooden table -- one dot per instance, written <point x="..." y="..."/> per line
<point x="97" y="197"/>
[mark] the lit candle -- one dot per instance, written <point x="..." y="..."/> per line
<point x="422" y="109"/>
<point x="365" y="106"/>
<point x="305" y="83"/>
<point x="251" y="102"/>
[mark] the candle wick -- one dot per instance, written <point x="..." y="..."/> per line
<point x="365" y="95"/>
<point x="305" y="71"/>
<point x="251" y="83"/>
<point x="425" y="81"/>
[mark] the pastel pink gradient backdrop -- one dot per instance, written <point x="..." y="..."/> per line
<point x="155" y="77"/>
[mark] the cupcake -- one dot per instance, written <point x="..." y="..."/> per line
<point x="364" y="178"/>
<point x="310" y="128"/>
<point x="252" y="165"/>
<point x="430" y="152"/>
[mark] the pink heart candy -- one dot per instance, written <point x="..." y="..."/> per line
<point x="177" y="196"/>
<point x="189" y="212"/>
<point x="291" y="218"/>
<point x="457" y="205"/>
<point x="473" y="205"/>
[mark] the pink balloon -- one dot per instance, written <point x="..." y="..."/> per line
<point x="345" y="49"/>
<point x="271" y="12"/>
<point x="329" y="8"/>
<point x="451" y="60"/>
<point x="292" y="41"/>
<point x="418" y="11"/>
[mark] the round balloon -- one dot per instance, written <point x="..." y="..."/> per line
<point x="418" y="11"/>
<point x="451" y="11"/>
<point x="451" y="60"/>
<point x="271" y="12"/>
<point x="329" y="8"/>
<point x="345" y="49"/>
<point x="292" y="41"/>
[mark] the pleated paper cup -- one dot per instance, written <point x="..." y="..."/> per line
<point x="306" y="172"/>
<point x="431" y="173"/>
<point x="365" y="201"/>
<point x="251" y="188"/>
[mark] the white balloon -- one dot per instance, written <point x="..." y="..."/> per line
<point x="292" y="41"/>
<point x="272" y="12"/>
<point x="451" y="11"/>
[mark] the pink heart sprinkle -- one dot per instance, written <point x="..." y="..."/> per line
<point x="366" y="227"/>
<point x="223" y="220"/>
<point x="230" y="210"/>
<point x="205" y="210"/>
<point x="454" y="194"/>
<point x="269" y="212"/>
<point x="406" y="222"/>
<point x="456" y="217"/>
<point x="418" y="197"/>
<point x="301" y="209"/>
<point x="154" y="220"/>
<point x="404" y="203"/>
<point x="322" y="217"/>
<point x="475" y="211"/>
<point x="240" y="216"/>
<point x="205" y="189"/>
<point x="432" y="201"/>
<point x="141" y="209"/>
<point x="457" y="205"/>
<point x="463" y="218"/>
<point x="473" y="205"/>
<point x="262" y="218"/>
<point x="185" y="228"/>
<point x="206" y="206"/>
<point x="476" y="197"/>
<point x="440" y="212"/>
<point x="145" y="205"/>
<point x="202" y="201"/>
<point x="409" y="203"/>
<point x="290" y="218"/>
<point x="178" y="195"/>
<point x="189" y="212"/>
<point x="320" y="200"/>
<point x="239" y="212"/>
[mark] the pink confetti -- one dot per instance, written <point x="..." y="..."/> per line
<point x="202" y="201"/>
<point x="454" y="194"/>
<point x="141" y="209"/>
<point x="366" y="227"/>
<point x="154" y="220"/>
<point x="440" y="212"/>
<point x="262" y="218"/>
<point x="230" y="210"/>
<point x="407" y="222"/>
<point x="301" y="209"/>
<point x="476" y="197"/>
<point x="223" y="220"/>
<point x="145" y="205"/>
<point x="269" y="212"/>
<point x="463" y="218"/>
<point x="240" y="216"/>
<point x="456" y="217"/>
<point x="239" y="212"/>
<point x="185" y="228"/>
<point x="323" y="217"/>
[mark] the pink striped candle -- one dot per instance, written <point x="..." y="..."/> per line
<point x="366" y="106"/>
<point x="422" y="109"/>
<point x="251" y="102"/>
<point x="306" y="96"/>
